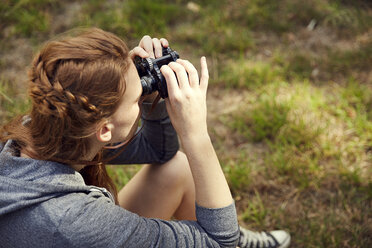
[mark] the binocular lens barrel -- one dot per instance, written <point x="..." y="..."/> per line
<point x="164" y="60"/>
<point x="147" y="83"/>
<point x="149" y="71"/>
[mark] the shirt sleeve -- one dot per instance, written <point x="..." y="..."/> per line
<point x="99" y="223"/>
<point x="157" y="142"/>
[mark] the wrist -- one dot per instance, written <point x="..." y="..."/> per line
<point x="195" y="139"/>
<point x="157" y="113"/>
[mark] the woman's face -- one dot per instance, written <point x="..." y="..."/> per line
<point x="127" y="116"/>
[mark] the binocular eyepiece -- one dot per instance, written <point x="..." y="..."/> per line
<point x="149" y="72"/>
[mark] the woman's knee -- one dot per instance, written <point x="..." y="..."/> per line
<point x="176" y="171"/>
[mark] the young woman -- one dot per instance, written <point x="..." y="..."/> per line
<point x="86" y="96"/>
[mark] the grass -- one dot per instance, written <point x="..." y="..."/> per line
<point x="26" y="18"/>
<point x="12" y="101"/>
<point x="297" y="148"/>
<point x="348" y="61"/>
<point x="244" y="73"/>
<point x="240" y="172"/>
<point x="317" y="142"/>
<point x="256" y="211"/>
<point x="150" y="17"/>
<point x="121" y="174"/>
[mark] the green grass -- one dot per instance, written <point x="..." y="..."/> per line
<point x="318" y="141"/>
<point x="26" y="17"/>
<point x="348" y="61"/>
<point x="302" y="130"/>
<point x="250" y="74"/>
<point x="121" y="174"/>
<point x="297" y="148"/>
<point x="215" y="34"/>
<point x="131" y="19"/>
<point x="256" y="211"/>
<point x="12" y="101"/>
<point x="240" y="172"/>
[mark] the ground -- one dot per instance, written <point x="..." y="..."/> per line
<point x="289" y="101"/>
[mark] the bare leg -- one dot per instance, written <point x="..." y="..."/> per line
<point x="167" y="190"/>
<point x="161" y="191"/>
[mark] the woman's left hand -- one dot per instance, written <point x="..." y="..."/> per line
<point x="149" y="47"/>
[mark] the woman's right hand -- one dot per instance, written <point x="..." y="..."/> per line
<point x="187" y="110"/>
<point x="186" y="104"/>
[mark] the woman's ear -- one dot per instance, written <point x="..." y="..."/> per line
<point x="104" y="133"/>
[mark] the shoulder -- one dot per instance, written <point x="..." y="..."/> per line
<point x="90" y="220"/>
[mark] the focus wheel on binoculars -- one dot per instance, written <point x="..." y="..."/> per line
<point x="150" y="64"/>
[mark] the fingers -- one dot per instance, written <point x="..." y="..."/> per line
<point x="153" y="46"/>
<point x="204" y="73"/>
<point x="180" y="71"/>
<point x="157" y="47"/>
<point x="146" y="43"/>
<point x="171" y="80"/>
<point x="187" y="75"/>
<point x="192" y="72"/>
<point x="164" y="42"/>
<point x="138" y="51"/>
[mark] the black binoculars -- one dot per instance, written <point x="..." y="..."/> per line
<point x="149" y="72"/>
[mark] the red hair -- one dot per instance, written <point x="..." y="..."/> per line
<point x="74" y="84"/>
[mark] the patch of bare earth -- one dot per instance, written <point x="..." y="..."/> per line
<point x="15" y="60"/>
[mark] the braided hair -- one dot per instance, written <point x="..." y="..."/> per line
<point x="74" y="84"/>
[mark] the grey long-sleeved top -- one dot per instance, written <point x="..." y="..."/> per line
<point x="47" y="204"/>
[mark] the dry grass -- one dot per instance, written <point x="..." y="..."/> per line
<point x="290" y="104"/>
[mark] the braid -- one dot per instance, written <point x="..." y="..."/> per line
<point x="74" y="84"/>
<point x="48" y="98"/>
<point x="52" y="99"/>
<point x="70" y="110"/>
<point x="49" y="101"/>
<point x="83" y="102"/>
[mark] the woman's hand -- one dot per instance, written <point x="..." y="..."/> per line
<point x="187" y="110"/>
<point x="186" y="104"/>
<point x="149" y="47"/>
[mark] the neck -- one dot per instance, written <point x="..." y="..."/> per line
<point x="96" y="147"/>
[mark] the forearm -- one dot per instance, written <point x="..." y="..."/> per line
<point x="104" y="224"/>
<point x="187" y="109"/>
<point x="156" y="143"/>
<point x="211" y="188"/>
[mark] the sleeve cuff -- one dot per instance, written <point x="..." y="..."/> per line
<point x="217" y="220"/>
<point x="158" y="113"/>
